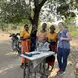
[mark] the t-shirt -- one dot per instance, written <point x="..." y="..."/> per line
<point x="52" y="37"/>
<point x="25" y="34"/>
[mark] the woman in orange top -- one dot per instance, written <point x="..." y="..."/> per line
<point x="52" y="39"/>
<point x="25" y="37"/>
<point x="41" y="36"/>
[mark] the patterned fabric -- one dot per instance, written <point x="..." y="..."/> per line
<point x="25" y="48"/>
<point x="53" y="48"/>
<point x="25" y="44"/>
<point x="63" y="43"/>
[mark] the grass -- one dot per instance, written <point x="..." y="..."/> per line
<point x="74" y="33"/>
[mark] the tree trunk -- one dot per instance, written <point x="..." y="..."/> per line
<point x="36" y="18"/>
<point x="37" y="9"/>
<point x="34" y="21"/>
<point x="34" y="29"/>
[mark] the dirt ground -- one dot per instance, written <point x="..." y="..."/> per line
<point x="74" y="50"/>
<point x="74" y="44"/>
<point x="73" y="58"/>
<point x="4" y="36"/>
<point x="74" y="41"/>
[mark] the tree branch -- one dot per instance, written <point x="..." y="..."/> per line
<point x="42" y="3"/>
<point x="30" y="18"/>
<point x="36" y="3"/>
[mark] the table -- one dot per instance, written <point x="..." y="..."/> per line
<point x="35" y="58"/>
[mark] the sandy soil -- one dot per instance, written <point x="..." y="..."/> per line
<point x="74" y="44"/>
<point x="73" y="54"/>
<point x="4" y="36"/>
<point x="74" y="41"/>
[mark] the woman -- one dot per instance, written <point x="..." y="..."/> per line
<point x="41" y="36"/>
<point x="52" y="39"/>
<point x="64" y="38"/>
<point x="25" y="37"/>
<point x="33" y="38"/>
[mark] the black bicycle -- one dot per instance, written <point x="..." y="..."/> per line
<point x="16" y="42"/>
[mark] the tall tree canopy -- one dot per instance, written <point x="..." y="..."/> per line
<point x="14" y="11"/>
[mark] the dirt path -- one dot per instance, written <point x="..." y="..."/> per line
<point x="4" y="36"/>
<point x="74" y="50"/>
<point x="74" y="42"/>
<point x="73" y="58"/>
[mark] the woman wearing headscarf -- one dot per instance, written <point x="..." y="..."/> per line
<point x="41" y="35"/>
<point x="25" y="37"/>
<point x="52" y="39"/>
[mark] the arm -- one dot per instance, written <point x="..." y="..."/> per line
<point x="22" y="38"/>
<point x="69" y="37"/>
<point x="22" y="35"/>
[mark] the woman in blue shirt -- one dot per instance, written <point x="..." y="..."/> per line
<point x="63" y="46"/>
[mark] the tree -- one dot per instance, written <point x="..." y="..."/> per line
<point x="19" y="10"/>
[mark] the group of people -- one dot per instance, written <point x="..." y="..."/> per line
<point x="58" y="42"/>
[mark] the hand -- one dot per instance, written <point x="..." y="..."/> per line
<point x="62" y="38"/>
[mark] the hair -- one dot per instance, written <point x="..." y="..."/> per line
<point x="52" y="26"/>
<point x="25" y="25"/>
<point x="63" y="24"/>
<point x="44" y="24"/>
